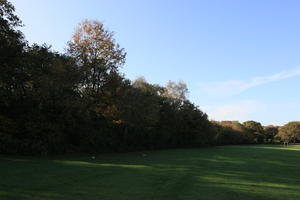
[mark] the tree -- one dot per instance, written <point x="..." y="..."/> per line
<point x="290" y="131"/>
<point x="12" y="46"/>
<point x="8" y="19"/>
<point x="142" y="103"/>
<point x="176" y="91"/>
<point x="11" y="52"/>
<point x="231" y="132"/>
<point x="256" y="129"/>
<point x="97" y="54"/>
<point x="270" y="132"/>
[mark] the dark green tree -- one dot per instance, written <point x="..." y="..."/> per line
<point x="270" y="133"/>
<point x="256" y="129"/>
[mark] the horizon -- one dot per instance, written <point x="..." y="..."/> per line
<point x="240" y="60"/>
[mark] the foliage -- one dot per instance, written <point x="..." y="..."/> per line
<point x="232" y="132"/>
<point x="256" y="129"/>
<point x="97" y="54"/>
<point x="177" y="91"/>
<point x="290" y="132"/>
<point x="270" y="133"/>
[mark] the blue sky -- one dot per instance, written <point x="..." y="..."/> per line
<point x="239" y="58"/>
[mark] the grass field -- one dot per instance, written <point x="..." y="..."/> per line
<point x="229" y="172"/>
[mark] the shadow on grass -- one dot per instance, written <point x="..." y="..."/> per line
<point x="229" y="172"/>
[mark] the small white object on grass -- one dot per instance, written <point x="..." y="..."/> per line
<point x="93" y="157"/>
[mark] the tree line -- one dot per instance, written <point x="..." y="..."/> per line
<point x="79" y="101"/>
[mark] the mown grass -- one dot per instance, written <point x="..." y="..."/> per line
<point x="228" y="172"/>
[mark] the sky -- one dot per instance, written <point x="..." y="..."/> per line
<point x="239" y="58"/>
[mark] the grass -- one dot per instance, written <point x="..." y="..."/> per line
<point x="227" y="172"/>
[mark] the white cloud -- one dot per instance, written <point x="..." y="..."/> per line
<point x="240" y="111"/>
<point x="232" y="87"/>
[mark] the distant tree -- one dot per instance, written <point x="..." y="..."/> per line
<point x="231" y="132"/>
<point x="290" y="131"/>
<point x="256" y="129"/>
<point x="235" y="125"/>
<point x="270" y="133"/>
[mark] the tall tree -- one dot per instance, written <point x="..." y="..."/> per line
<point x="12" y="46"/>
<point x="11" y="52"/>
<point x="97" y="54"/>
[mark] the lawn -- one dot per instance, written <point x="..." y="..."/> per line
<point x="227" y="172"/>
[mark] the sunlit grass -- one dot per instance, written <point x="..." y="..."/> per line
<point x="227" y="172"/>
<point x="289" y="147"/>
<point x="101" y="164"/>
